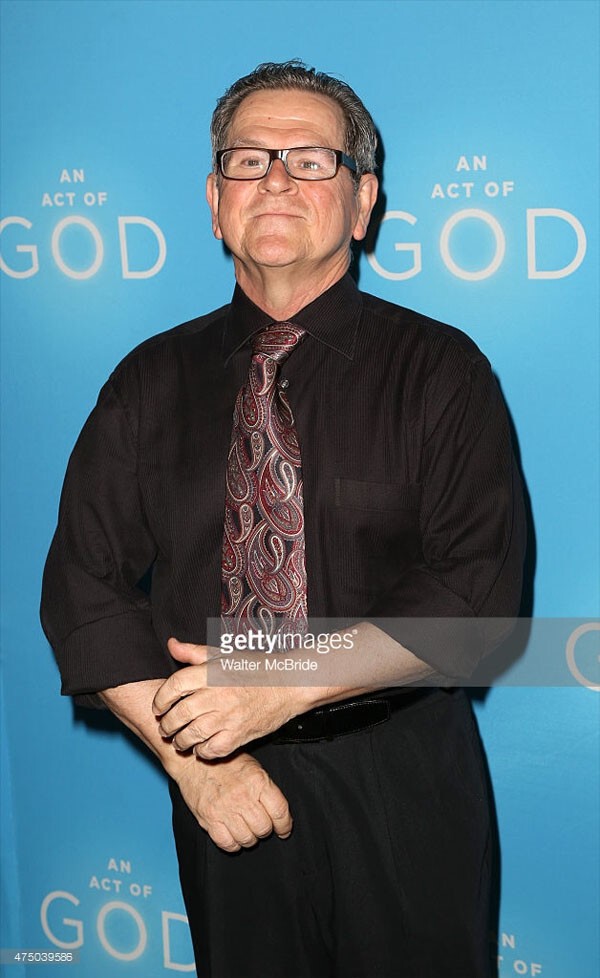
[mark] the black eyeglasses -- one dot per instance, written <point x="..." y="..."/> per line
<point x="301" y="162"/>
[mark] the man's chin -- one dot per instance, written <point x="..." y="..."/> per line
<point x="275" y="253"/>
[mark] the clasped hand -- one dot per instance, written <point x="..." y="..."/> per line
<point x="215" y="720"/>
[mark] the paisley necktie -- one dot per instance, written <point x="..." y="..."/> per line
<point x="263" y="567"/>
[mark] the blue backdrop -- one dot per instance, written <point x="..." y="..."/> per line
<point x="488" y="116"/>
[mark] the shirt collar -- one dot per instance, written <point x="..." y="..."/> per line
<point x="332" y="318"/>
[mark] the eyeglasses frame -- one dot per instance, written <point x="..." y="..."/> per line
<point x="281" y="154"/>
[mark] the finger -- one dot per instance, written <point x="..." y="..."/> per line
<point x="223" y="838"/>
<point x="190" y="738"/>
<point x="220" y="744"/>
<point x="258" y="821"/>
<point x="192" y="655"/>
<point x="197" y="734"/>
<point x="241" y="831"/>
<point x="187" y="710"/>
<point x="275" y="804"/>
<point x="180" y="684"/>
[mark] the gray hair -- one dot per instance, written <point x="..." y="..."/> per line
<point x="361" y="137"/>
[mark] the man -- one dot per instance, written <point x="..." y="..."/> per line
<point x="335" y="829"/>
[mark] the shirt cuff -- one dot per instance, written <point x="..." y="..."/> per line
<point x="112" y="652"/>
<point x="434" y="623"/>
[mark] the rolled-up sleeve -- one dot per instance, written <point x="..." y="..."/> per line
<point x="466" y="586"/>
<point x="95" y="616"/>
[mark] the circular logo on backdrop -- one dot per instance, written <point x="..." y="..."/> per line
<point x="583" y="656"/>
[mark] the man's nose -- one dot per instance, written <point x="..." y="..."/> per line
<point x="277" y="180"/>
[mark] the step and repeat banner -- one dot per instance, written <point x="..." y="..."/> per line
<point x="488" y="115"/>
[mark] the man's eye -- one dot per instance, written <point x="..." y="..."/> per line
<point x="250" y="162"/>
<point x="308" y="164"/>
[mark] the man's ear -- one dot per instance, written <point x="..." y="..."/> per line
<point x="212" y="198"/>
<point x="366" y="195"/>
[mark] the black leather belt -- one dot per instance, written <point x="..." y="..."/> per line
<point x="338" y="719"/>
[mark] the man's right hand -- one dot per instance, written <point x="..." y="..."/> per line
<point x="234" y="800"/>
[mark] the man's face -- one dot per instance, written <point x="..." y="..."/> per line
<point x="277" y="222"/>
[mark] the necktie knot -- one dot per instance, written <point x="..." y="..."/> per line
<point x="277" y="341"/>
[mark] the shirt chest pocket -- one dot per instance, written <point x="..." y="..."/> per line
<point x="379" y="514"/>
<point x="379" y="524"/>
<point x="378" y="497"/>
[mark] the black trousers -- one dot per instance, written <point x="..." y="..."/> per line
<point x="386" y="873"/>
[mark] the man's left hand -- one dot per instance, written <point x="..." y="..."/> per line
<point x="211" y="720"/>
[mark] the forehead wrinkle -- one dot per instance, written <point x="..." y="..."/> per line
<point x="254" y="144"/>
<point x="258" y="134"/>
<point x="261" y="144"/>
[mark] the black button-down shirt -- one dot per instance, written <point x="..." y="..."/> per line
<point x="412" y="502"/>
